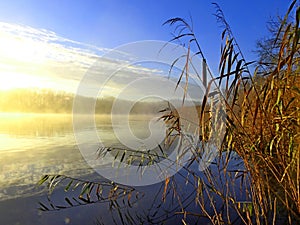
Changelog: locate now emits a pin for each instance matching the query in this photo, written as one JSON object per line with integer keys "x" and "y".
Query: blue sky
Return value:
{"x": 110, "y": 23}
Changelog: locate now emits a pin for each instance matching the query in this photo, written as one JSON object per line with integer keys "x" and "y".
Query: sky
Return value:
{"x": 52, "y": 44}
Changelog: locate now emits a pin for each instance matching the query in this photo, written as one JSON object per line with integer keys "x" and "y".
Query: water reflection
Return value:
{"x": 35, "y": 125}
{"x": 32, "y": 145}
{"x": 154, "y": 204}
{"x": 35, "y": 144}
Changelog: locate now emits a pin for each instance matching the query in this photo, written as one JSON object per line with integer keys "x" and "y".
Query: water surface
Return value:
{"x": 32, "y": 145}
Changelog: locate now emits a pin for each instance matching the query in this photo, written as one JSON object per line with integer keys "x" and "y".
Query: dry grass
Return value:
{"x": 263, "y": 124}
{"x": 262, "y": 128}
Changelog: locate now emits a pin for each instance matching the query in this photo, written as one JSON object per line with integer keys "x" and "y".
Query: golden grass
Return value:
{"x": 262, "y": 128}
{"x": 263, "y": 122}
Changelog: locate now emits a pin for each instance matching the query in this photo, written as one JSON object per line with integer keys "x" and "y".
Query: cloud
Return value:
{"x": 27, "y": 52}
{"x": 40, "y": 58}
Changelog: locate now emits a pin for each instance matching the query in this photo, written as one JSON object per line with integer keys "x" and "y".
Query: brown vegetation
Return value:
{"x": 262, "y": 128}
{"x": 263, "y": 121}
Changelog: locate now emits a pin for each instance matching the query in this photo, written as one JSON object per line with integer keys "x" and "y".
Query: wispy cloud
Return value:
{"x": 39, "y": 55}
{"x": 42, "y": 56}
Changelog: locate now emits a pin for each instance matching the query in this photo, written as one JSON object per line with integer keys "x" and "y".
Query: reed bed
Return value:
{"x": 262, "y": 124}
{"x": 261, "y": 137}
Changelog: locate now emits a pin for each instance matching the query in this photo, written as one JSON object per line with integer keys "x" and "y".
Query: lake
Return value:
{"x": 33, "y": 145}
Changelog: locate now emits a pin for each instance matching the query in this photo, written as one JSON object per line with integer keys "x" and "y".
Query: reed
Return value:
{"x": 262, "y": 136}
{"x": 262, "y": 124}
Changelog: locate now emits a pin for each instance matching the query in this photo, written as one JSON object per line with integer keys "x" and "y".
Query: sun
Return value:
{"x": 28, "y": 60}
{"x": 40, "y": 59}
{"x": 13, "y": 80}
{"x": 19, "y": 57}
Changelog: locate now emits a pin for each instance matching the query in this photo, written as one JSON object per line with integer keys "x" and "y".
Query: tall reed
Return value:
{"x": 262, "y": 135}
{"x": 263, "y": 121}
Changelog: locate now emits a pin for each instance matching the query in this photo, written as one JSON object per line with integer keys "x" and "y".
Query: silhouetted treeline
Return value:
{"x": 35, "y": 100}
{"x": 49, "y": 101}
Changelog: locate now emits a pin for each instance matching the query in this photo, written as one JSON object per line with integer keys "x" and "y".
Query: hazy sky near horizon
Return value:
{"x": 52, "y": 43}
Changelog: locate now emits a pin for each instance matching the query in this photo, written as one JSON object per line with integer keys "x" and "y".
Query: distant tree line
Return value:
{"x": 50, "y": 101}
